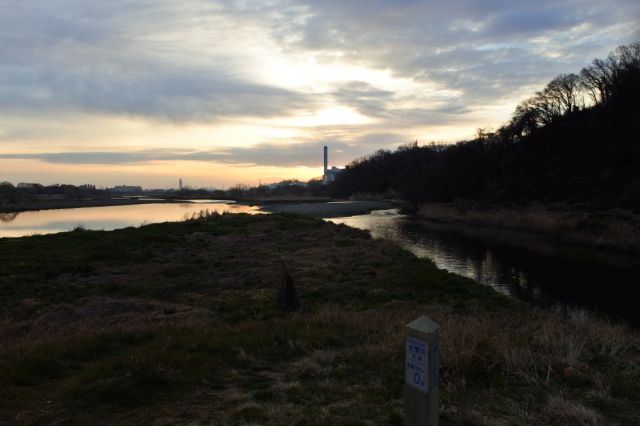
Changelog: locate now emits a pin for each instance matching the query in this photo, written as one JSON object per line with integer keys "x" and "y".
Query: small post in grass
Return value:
{"x": 421, "y": 364}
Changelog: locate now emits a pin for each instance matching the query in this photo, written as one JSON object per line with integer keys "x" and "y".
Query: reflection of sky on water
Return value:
{"x": 572, "y": 287}
{"x": 110, "y": 217}
{"x": 8, "y": 217}
{"x": 62, "y": 225}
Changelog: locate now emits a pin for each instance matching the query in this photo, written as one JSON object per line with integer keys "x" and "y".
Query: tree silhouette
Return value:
{"x": 555, "y": 148}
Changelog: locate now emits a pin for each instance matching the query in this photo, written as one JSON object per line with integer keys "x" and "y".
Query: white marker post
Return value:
{"x": 421, "y": 396}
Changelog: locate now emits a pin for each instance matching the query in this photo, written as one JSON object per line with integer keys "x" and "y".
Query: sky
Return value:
{"x": 144, "y": 92}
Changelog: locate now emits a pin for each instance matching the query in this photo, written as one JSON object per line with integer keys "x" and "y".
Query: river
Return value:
{"x": 573, "y": 281}
{"x": 109, "y": 217}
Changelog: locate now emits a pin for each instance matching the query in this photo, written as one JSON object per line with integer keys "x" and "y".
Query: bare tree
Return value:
{"x": 603, "y": 79}
{"x": 598, "y": 78}
{"x": 629, "y": 56}
{"x": 564, "y": 92}
{"x": 532, "y": 113}
{"x": 593, "y": 85}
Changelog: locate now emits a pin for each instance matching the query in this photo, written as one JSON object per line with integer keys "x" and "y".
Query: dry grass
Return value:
{"x": 190, "y": 335}
{"x": 612, "y": 230}
{"x": 337, "y": 366}
{"x": 567, "y": 412}
{"x": 537, "y": 358}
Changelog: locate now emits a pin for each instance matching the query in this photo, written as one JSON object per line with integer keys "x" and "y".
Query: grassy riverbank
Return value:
{"x": 177, "y": 323}
{"x": 613, "y": 230}
{"x": 335, "y": 208}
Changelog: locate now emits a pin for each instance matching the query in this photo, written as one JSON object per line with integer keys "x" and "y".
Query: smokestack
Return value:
{"x": 326, "y": 160}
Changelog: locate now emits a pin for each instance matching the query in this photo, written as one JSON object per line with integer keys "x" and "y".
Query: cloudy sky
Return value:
{"x": 220, "y": 92}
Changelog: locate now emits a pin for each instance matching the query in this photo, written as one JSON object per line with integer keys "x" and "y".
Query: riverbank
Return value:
{"x": 177, "y": 323}
{"x": 283, "y": 199}
{"x": 306, "y": 206}
{"x": 327, "y": 209}
{"x": 617, "y": 231}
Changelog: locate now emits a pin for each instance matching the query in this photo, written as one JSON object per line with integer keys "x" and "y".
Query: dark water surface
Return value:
{"x": 576, "y": 282}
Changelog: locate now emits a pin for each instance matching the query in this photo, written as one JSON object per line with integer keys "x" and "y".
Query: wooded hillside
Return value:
{"x": 576, "y": 141}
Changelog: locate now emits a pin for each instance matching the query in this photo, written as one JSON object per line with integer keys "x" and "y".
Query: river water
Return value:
{"x": 573, "y": 281}
{"x": 110, "y": 217}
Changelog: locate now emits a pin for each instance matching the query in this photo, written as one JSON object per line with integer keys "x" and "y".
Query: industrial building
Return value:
{"x": 330, "y": 174}
{"x": 126, "y": 189}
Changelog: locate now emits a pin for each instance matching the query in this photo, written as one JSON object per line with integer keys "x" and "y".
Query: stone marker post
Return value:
{"x": 421, "y": 395}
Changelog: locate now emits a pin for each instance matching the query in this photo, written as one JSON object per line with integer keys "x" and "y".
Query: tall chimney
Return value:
{"x": 326, "y": 160}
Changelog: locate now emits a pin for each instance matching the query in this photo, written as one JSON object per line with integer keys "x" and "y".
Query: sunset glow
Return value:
{"x": 218, "y": 93}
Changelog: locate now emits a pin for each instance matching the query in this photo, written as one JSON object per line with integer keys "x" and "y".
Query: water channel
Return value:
{"x": 576, "y": 282}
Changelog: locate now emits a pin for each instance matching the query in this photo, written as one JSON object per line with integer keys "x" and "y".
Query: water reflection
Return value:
{"x": 110, "y": 217}
{"x": 572, "y": 283}
{"x": 8, "y": 217}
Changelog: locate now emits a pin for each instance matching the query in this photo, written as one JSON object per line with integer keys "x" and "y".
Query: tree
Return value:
{"x": 8, "y": 192}
{"x": 238, "y": 190}
{"x": 553, "y": 149}
{"x": 593, "y": 84}
{"x": 537, "y": 111}
{"x": 613, "y": 76}
{"x": 564, "y": 92}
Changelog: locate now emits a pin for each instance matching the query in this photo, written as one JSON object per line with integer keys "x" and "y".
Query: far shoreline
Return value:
{"x": 336, "y": 208}
{"x": 611, "y": 231}
{"x": 321, "y": 208}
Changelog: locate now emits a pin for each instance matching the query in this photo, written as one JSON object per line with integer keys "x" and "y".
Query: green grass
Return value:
{"x": 177, "y": 323}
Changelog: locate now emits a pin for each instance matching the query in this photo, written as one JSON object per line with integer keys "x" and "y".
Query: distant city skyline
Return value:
{"x": 223, "y": 92}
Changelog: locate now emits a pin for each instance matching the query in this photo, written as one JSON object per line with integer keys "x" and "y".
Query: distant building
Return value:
{"x": 126, "y": 189}
{"x": 180, "y": 183}
{"x": 330, "y": 174}
{"x": 287, "y": 183}
{"x": 26, "y": 185}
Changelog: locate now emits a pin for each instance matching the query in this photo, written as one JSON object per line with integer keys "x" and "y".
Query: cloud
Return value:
{"x": 485, "y": 48}
{"x": 167, "y": 60}
{"x": 116, "y": 60}
{"x": 406, "y": 65}
{"x": 170, "y": 93}
{"x": 308, "y": 153}
{"x": 363, "y": 97}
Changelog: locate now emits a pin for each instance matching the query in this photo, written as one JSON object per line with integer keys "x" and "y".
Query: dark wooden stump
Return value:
{"x": 287, "y": 296}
